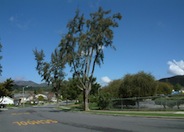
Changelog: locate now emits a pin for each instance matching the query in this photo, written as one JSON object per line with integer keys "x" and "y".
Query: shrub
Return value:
{"x": 103, "y": 100}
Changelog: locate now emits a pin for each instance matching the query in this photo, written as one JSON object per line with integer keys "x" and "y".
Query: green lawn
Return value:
{"x": 141, "y": 113}
{"x": 154, "y": 114}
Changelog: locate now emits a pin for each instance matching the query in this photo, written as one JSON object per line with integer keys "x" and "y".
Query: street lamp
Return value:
{"x": 23, "y": 93}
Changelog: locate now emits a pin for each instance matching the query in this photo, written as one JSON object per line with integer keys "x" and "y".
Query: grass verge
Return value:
{"x": 153, "y": 114}
{"x": 141, "y": 113}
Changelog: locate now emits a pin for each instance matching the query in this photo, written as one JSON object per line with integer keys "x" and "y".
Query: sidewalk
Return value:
{"x": 3, "y": 109}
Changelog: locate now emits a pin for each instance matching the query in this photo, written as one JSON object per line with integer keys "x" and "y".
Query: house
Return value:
{"x": 5, "y": 101}
{"x": 41, "y": 95}
{"x": 177, "y": 92}
{"x": 182, "y": 90}
{"x": 20, "y": 98}
{"x": 51, "y": 97}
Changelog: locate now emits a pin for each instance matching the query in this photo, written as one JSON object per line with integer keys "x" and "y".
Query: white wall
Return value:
{"x": 6, "y": 100}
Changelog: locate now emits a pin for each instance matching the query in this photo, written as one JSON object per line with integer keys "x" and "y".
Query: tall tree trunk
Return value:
{"x": 86, "y": 99}
{"x": 57, "y": 98}
{"x": 1, "y": 99}
{"x": 138, "y": 105}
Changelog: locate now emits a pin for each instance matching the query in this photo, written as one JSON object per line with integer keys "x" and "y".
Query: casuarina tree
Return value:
{"x": 6, "y": 89}
{"x": 51, "y": 72}
{"x": 84, "y": 43}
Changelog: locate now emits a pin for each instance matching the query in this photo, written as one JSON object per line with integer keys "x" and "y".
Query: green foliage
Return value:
{"x": 123, "y": 103}
{"x": 3, "y": 91}
{"x": 177, "y": 87}
{"x": 161, "y": 101}
{"x": 137, "y": 85}
{"x": 95, "y": 87}
{"x": 178, "y": 100}
{"x": 104, "y": 100}
{"x": 93, "y": 98}
{"x": 164, "y": 88}
{"x": 70, "y": 90}
{"x": 52, "y": 72}
{"x": 113, "y": 88}
{"x": 6, "y": 88}
{"x": 170, "y": 101}
{"x": 82, "y": 49}
{"x": 80, "y": 98}
{"x": 40, "y": 98}
{"x": 83, "y": 45}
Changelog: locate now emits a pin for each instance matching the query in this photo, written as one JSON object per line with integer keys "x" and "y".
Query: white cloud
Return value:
{"x": 160, "y": 24}
{"x": 19, "y": 78}
{"x": 94, "y": 4}
{"x": 23, "y": 25}
{"x": 106, "y": 80}
{"x": 12, "y": 18}
{"x": 176, "y": 67}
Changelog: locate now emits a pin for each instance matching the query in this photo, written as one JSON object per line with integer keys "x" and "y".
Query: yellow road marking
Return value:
{"x": 35, "y": 122}
{"x": 25, "y": 113}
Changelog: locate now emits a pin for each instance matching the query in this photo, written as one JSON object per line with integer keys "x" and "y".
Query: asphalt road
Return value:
{"x": 48, "y": 119}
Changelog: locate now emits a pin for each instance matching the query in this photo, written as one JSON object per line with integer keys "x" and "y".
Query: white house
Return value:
{"x": 44, "y": 96}
{"x": 6, "y": 100}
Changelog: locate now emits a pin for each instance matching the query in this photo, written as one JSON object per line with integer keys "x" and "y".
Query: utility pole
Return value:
{"x": 23, "y": 94}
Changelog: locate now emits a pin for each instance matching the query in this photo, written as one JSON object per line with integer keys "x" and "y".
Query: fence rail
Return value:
{"x": 151, "y": 103}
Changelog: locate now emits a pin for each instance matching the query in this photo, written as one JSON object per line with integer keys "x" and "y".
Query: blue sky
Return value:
{"x": 150, "y": 37}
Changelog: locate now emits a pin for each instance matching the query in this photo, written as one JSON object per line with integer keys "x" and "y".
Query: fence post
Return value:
{"x": 121, "y": 103}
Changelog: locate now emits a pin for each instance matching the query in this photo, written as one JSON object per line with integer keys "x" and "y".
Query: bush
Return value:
{"x": 161, "y": 101}
{"x": 121, "y": 103}
{"x": 93, "y": 98}
{"x": 170, "y": 101}
{"x": 103, "y": 100}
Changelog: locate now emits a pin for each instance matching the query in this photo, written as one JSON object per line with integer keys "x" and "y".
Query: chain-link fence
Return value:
{"x": 149, "y": 103}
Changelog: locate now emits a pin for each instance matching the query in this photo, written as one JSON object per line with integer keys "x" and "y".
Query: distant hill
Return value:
{"x": 174, "y": 80}
{"x": 29, "y": 83}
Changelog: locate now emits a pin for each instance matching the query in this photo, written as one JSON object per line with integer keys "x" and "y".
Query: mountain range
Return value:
{"x": 173, "y": 80}
{"x": 29, "y": 83}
